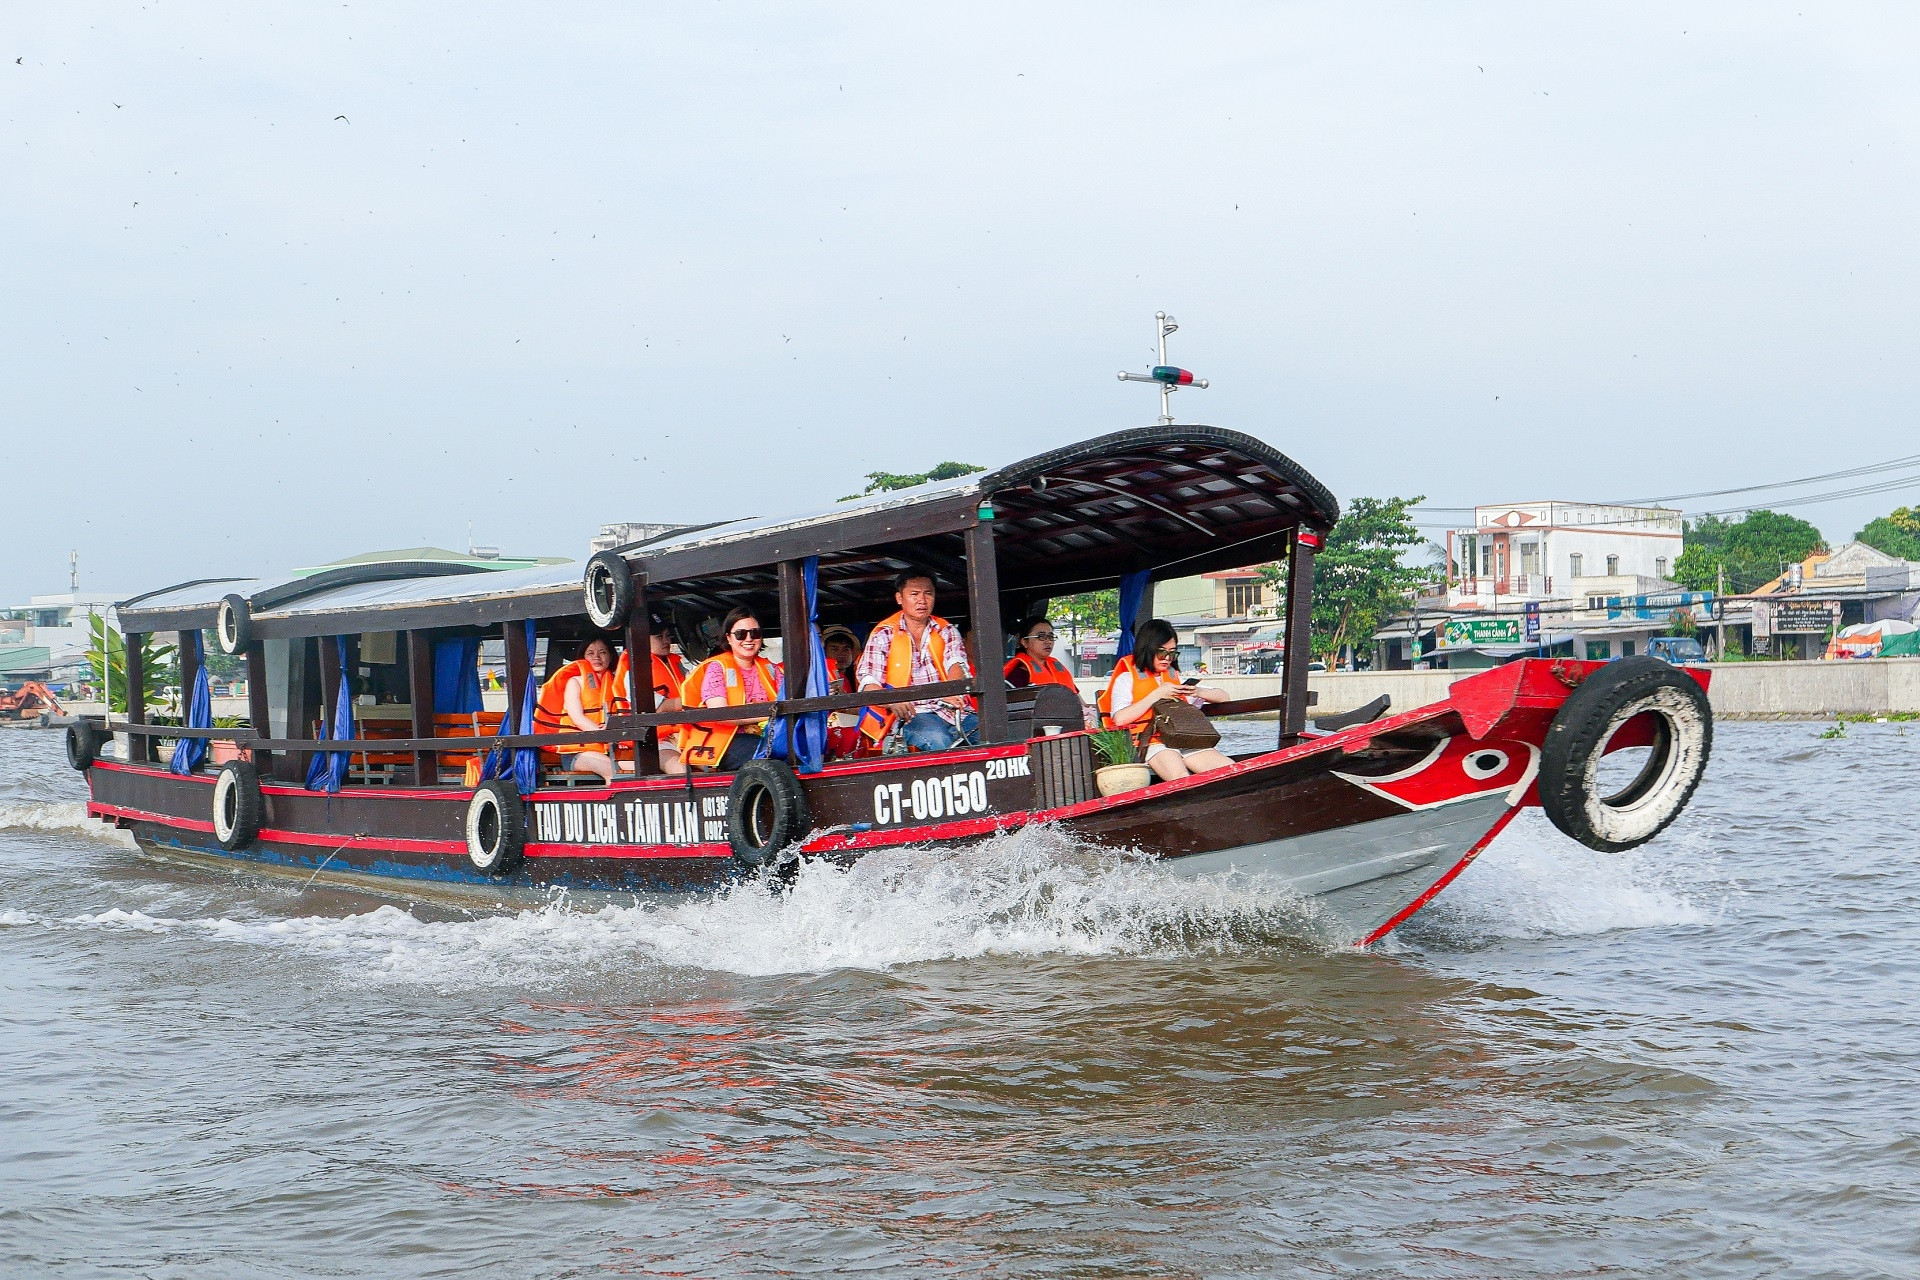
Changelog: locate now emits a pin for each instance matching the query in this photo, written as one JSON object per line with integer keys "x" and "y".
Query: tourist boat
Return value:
{"x": 1366, "y": 816}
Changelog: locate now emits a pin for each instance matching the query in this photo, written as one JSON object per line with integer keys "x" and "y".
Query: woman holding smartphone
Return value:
{"x": 1143, "y": 680}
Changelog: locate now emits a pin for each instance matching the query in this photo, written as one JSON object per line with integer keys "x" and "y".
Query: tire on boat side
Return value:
{"x": 1592, "y": 715}
{"x": 239, "y": 810}
{"x": 608, "y": 587}
{"x": 232, "y": 625}
{"x": 766, "y": 813}
{"x": 83, "y": 745}
{"x": 496, "y": 828}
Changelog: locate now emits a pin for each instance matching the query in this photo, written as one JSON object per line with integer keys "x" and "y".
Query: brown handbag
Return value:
{"x": 1183, "y": 726}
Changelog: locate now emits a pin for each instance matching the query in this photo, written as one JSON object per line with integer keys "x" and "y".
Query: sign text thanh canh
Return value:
{"x": 1461, "y": 631}
{"x": 1804, "y": 616}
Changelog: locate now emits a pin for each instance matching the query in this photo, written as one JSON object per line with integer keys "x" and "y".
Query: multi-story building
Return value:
{"x": 1557, "y": 550}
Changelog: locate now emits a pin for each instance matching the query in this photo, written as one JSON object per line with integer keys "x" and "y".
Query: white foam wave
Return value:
{"x": 60, "y": 817}
{"x": 1028, "y": 894}
{"x": 1533, "y": 882}
{"x": 1031, "y": 893}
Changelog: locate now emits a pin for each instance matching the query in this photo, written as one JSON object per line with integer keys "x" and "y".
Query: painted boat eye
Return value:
{"x": 1482, "y": 765}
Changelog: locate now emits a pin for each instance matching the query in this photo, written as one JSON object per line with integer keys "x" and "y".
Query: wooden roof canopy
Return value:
{"x": 1178, "y": 500}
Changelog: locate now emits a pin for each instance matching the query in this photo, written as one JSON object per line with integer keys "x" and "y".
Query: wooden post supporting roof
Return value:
{"x": 983, "y": 607}
{"x": 259, "y": 709}
{"x": 646, "y": 751}
{"x": 519, "y": 661}
{"x": 133, "y": 653}
{"x": 794, "y": 638}
{"x": 426, "y": 764}
{"x": 1299, "y": 636}
{"x": 187, "y": 646}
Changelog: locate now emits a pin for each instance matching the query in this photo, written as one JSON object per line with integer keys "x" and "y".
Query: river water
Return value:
{"x": 1696, "y": 1059}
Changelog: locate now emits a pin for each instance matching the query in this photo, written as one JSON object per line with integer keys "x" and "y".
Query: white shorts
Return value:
{"x": 1155, "y": 748}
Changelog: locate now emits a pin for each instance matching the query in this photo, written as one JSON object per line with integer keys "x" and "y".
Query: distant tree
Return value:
{"x": 881, "y": 481}
{"x": 1897, "y": 534}
{"x": 1358, "y": 577}
{"x": 1752, "y": 551}
{"x": 1097, "y": 612}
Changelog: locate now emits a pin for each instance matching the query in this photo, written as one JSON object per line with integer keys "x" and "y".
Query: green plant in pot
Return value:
{"x": 1123, "y": 770}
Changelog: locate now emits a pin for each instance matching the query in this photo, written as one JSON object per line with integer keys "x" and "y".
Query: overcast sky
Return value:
{"x": 692, "y": 261}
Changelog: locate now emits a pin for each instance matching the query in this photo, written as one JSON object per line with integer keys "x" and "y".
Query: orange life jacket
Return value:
{"x": 703, "y": 745}
{"x": 600, "y": 696}
{"x": 668, "y": 672}
{"x": 1042, "y": 671}
{"x": 1142, "y": 686}
{"x": 875, "y": 722}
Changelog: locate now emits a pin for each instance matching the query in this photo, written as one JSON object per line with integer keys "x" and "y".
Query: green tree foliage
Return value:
{"x": 1897, "y": 534}
{"x": 107, "y": 652}
{"x": 1096, "y": 612}
{"x": 1753, "y": 551}
{"x": 881, "y": 481}
{"x": 1358, "y": 577}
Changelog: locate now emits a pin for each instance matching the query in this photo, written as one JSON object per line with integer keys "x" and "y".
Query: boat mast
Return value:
{"x": 1170, "y": 377}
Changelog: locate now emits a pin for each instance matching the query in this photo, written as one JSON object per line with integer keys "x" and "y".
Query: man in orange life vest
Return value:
{"x": 669, "y": 669}
{"x": 915, "y": 647}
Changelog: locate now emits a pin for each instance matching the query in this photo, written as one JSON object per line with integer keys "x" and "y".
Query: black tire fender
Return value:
{"x": 239, "y": 810}
{"x": 1619, "y": 692}
{"x": 233, "y": 625}
{"x": 766, "y": 813}
{"x": 496, "y": 827}
{"x": 607, "y": 585}
{"x": 83, "y": 745}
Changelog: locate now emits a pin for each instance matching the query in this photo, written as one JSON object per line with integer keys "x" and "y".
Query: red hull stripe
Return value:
{"x": 626, "y": 851}
{"x": 276, "y": 836}
{"x": 1439, "y": 884}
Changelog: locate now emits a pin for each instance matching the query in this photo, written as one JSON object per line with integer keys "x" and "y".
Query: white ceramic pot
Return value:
{"x": 1117, "y": 779}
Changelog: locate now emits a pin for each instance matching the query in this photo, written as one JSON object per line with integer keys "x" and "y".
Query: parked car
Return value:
{"x": 1680, "y": 651}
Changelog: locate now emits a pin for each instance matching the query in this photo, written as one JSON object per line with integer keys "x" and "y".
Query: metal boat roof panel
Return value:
{"x": 1178, "y": 500}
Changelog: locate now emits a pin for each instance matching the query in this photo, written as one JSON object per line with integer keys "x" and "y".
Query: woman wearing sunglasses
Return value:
{"x": 735, "y": 677}
{"x": 1141, "y": 682}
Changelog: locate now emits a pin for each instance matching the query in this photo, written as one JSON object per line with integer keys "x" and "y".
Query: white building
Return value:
{"x": 58, "y": 622}
{"x": 1558, "y": 550}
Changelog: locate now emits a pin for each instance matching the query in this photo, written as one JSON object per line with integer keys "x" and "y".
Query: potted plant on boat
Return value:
{"x": 1123, "y": 770}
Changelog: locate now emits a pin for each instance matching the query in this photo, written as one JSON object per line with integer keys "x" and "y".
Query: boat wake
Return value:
{"x": 1028, "y": 894}
{"x": 59, "y": 817}
{"x": 1533, "y": 882}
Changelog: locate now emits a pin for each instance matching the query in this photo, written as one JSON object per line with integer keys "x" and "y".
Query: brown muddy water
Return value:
{"x": 1697, "y": 1059}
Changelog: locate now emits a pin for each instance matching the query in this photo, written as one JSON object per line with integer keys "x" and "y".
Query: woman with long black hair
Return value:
{"x": 1145, "y": 679}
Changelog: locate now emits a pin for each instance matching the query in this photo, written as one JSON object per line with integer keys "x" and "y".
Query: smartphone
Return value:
{"x": 1190, "y": 680}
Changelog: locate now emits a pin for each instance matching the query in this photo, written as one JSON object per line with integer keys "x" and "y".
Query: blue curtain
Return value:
{"x": 522, "y": 762}
{"x": 802, "y": 739}
{"x": 456, "y": 675}
{"x": 1133, "y": 586}
{"x": 188, "y": 754}
{"x": 329, "y": 768}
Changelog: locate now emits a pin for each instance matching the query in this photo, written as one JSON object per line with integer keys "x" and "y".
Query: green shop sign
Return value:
{"x": 1463, "y": 631}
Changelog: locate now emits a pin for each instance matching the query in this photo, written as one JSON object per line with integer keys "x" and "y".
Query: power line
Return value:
{"x": 1837, "y": 495}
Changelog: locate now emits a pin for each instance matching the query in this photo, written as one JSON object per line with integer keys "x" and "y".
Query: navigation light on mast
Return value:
{"x": 1170, "y": 377}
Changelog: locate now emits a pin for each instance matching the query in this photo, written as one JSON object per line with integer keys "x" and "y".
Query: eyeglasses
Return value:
{"x": 745, "y": 633}
{"x": 1045, "y": 637}
{"x": 1168, "y": 651}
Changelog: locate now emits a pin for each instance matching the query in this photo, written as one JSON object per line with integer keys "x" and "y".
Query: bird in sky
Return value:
{"x": 343, "y": 118}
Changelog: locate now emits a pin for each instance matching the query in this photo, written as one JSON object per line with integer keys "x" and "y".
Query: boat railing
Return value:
{"x": 617, "y": 728}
